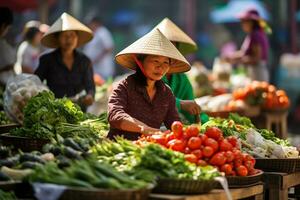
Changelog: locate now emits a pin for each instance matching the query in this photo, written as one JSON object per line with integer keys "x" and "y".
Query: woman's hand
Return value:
{"x": 146, "y": 130}
{"x": 190, "y": 106}
{"x": 88, "y": 100}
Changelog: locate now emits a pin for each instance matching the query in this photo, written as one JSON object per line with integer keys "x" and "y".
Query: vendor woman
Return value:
{"x": 141, "y": 103}
{"x": 254, "y": 50}
{"x": 179, "y": 82}
{"x": 67, "y": 71}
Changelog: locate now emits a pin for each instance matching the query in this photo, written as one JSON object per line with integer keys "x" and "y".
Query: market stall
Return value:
{"x": 61, "y": 149}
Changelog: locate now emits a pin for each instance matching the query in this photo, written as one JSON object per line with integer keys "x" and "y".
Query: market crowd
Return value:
{"x": 72, "y": 58}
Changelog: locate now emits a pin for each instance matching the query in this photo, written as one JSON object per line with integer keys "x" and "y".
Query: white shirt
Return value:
{"x": 7, "y": 57}
{"x": 102, "y": 40}
{"x": 27, "y": 55}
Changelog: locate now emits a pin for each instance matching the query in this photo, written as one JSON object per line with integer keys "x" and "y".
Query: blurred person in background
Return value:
{"x": 7, "y": 53}
{"x": 254, "y": 51}
{"x": 100, "y": 50}
{"x": 30, "y": 49}
{"x": 179, "y": 82}
{"x": 67, "y": 71}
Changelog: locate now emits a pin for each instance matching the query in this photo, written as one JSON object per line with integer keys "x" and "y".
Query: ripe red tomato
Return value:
{"x": 187, "y": 150}
{"x": 207, "y": 151}
{"x": 242, "y": 170}
{"x": 197, "y": 153}
{"x": 213, "y": 132}
{"x": 218, "y": 159}
{"x": 225, "y": 145}
{"x": 194, "y": 143}
{"x": 203, "y": 137}
{"x": 177, "y": 129}
{"x": 249, "y": 165}
{"x": 160, "y": 139}
{"x": 191, "y": 158}
{"x": 237, "y": 155}
{"x": 202, "y": 163}
{"x": 229, "y": 155}
{"x": 227, "y": 168}
{"x": 212, "y": 143}
{"x": 191, "y": 131}
{"x": 238, "y": 163}
{"x": 170, "y": 137}
{"x": 176, "y": 145}
{"x": 232, "y": 140}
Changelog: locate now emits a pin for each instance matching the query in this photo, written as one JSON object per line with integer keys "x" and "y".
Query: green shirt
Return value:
{"x": 182, "y": 89}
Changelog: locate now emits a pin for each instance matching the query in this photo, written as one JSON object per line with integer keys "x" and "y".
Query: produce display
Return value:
{"x": 78, "y": 154}
{"x": 87, "y": 173}
{"x": 4, "y": 119}
{"x": 17, "y": 93}
{"x": 45, "y": 117}
{"x": 208, "y": 148}
{"x": 262, "y": 94}
{"x": 151, "y": 161}
{"x": 258, "y": 142}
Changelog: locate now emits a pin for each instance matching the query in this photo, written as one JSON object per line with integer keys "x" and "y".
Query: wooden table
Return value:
{"x": 278, "y": 184}
{"x": 252, "y": 192}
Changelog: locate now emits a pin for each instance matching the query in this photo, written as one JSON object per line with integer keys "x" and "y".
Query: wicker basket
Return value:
{"x": 287, "y": 165}
{"x": 24, "y": 143}
{"x": 240, "y": 181}
{"x": 7, "y": 127}
{"x": 73, "y": 193}
{"x": 175, "y": 186}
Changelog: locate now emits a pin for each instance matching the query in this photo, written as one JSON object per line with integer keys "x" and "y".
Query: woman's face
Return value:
{"x": 37, "y": 38}
{"x": 156, "y": 66}
{"x": 68, "y": 40}
{"x": 247, "y": 26}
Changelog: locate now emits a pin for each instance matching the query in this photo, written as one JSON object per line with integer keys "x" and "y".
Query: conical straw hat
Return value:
{"x": 153, "y": 43}
{"x": 66, "y": 23}
{"x": 175, "y": 34}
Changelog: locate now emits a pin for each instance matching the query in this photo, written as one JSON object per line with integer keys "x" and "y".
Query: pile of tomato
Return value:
{"x": 262, "y": 94}
{"x": 208, "y": 148}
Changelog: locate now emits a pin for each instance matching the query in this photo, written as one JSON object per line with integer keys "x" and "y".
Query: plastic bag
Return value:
{"x": 18, "y": 91}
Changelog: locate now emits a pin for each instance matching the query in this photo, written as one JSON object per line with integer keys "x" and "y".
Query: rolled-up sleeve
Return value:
{"x": 172, "y": 114}
{"x": 117, "y": 104}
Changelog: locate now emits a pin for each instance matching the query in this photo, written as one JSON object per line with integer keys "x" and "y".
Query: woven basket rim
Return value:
{"x": 261, "y": 172}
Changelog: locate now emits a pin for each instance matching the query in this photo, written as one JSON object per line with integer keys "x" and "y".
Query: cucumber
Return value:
{"x": 71, "y": 153}
{"x": 4, "y": 177}
{"x": 30, "y": 157}
{"x": 30, "y": 165}
{"x": 71, "y": 143}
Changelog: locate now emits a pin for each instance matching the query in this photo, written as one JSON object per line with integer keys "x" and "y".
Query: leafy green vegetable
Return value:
{"x": 7, "y": 195}
{"x": 86, "y": 173}
{"x": 150, "y": 162}
{"x": 46, "y": 117}
{"x": 4, "y": 119}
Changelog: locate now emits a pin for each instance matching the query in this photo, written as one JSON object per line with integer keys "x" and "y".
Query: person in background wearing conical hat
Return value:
{"x": 67, "y": 71}
{"x": 30, "y": 49}
{"x": 141, "y": 103}
{"x": 254, "y": 50}
{"x": 179, "y": 82}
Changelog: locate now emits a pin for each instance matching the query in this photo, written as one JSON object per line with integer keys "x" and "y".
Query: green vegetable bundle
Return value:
{"x": 150, "y": 162}
{"x": 86, "y": 173}
{"x": 45, "y": 117}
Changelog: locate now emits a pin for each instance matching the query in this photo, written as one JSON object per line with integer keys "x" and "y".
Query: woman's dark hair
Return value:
{"x": 255, "y": 25}
{"x": 139, "y": 76}
{"x": 6, "y": 16}
{"x": 30, "y": 33}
